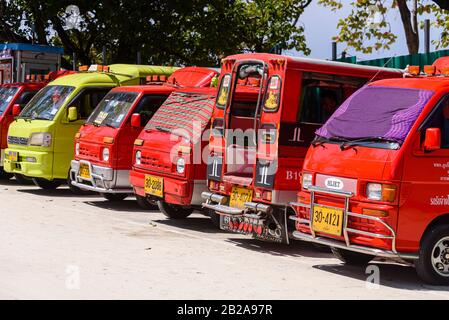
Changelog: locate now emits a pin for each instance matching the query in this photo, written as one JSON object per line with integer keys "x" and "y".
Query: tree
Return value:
{"x": 195, "y": 32}
{"x": 366, "y": 28}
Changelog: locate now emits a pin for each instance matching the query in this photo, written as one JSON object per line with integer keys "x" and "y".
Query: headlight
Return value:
{"x": 374, "y": 191}
{"x": 77, "y": 148}
{"x": 307, "y": 180}
{"x": 105, "y": 154}
{"x": 40, "y": 139}
{"x": 381, "y": 192}
{"x": 138, "y": 157}
{"x": 180, "y": 165}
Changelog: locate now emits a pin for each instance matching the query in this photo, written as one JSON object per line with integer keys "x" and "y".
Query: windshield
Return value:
{"x": 375, "y": 113}
{"x": 6, "y": 95}
{"x": 46, "y": 103}
{"x": 112, "y": 109}
{"x": 184, "y": 114}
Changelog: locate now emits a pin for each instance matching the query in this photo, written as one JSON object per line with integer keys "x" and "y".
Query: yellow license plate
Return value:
{"x": 13, "y": 156}
{"x": 327, "y": 220}
{"x": 154, "y": 186}
{"x": 239, "y": 196}
{"x": 85, "y": 171}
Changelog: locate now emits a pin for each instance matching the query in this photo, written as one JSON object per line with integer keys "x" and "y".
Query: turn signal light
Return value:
{"x": 77, "y": 135}
{"x": 388, "y": 192}
{"x": 430, "y": 70}
{"x": 414, "y": 70}
{"x": 138, "y": 142}
{"x": 445, "y": 71}
{"x": 109, "y": 140}
{"x": 375, "y": 213}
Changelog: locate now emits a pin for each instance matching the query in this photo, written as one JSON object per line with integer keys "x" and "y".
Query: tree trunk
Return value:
{"x": 410, "y": 23}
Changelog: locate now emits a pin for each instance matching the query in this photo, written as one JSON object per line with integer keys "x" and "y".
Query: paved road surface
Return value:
{"x": 54, "y": 245}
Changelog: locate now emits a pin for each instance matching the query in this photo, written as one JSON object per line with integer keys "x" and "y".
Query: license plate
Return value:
{"x": 13, "y": 156}
{"x": 239, "y": 196}
{"x": 327, "y": 220}
{"x": 85, "y": 171}
{"x": 154, "y": 186}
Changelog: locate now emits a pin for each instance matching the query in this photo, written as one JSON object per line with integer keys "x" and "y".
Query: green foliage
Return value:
{"x": 365, "y": 37}
{"x": 195, "y": 32}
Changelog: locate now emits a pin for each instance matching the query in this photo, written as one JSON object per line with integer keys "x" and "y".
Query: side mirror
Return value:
{"x": 72, "y": 114}
{"x": 136, "y": 120}
{"x": 432, "y": 140}
{"x": 16, "y": 109}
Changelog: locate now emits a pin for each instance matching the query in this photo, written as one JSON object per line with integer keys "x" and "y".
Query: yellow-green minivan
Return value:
{"x": 41, "y": 139}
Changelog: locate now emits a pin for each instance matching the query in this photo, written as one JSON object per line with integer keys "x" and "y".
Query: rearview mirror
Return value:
{"x": 72, "y": 114}
{"x": 136, "y": 120}
{"x": 16, "y": 109}
{"x": 432, "y": 140}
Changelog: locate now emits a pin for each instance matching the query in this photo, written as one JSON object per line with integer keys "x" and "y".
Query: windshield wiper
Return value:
{"x": 160, "y": 128}
{"x": 352, "y": 143}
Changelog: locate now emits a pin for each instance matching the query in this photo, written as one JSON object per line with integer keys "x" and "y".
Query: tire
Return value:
{"x": 434, "y": 251}
{"x": 115, "y": 197}
{"x": 5, "y": 175}
{"x": 46, "y": 184}
{"x": 214, "y": 217}
{"x": 351, "y": 257}
{"x": 144, "y": 203}
{"x": 75, "y": 190}
{"x": 173, "y": 211}
{"x": 21, "y": 179}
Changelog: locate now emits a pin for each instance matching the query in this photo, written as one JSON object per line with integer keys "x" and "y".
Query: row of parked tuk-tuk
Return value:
{"x": 280, "y": 148}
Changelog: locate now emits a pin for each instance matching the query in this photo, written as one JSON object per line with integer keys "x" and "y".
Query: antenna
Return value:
{"x": 377, "y": 73}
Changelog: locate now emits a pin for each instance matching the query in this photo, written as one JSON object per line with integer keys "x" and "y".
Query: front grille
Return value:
{"x": 86, "y": 152}
{"x": 155, "y": 163}
{"x": 17, "y": 140}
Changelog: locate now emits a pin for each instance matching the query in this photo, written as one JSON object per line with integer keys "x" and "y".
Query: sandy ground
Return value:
{"x": 54, "y": 245}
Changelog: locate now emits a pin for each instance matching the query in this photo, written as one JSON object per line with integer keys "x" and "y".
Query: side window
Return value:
{"x": 148, "y": 105}
{"x": 25, "y": 97}
{"x": 439, "y": 119}
{"x": 88, "y": 100}
{"x": 318, "y": 103}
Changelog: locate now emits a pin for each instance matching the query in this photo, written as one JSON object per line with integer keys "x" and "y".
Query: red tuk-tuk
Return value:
{"x": 256, "y": 154}
{"x": 375, "y": 181}
{"x": 104, "y": 145}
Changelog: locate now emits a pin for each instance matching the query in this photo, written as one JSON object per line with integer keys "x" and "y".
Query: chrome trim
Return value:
{"x": 338, "y": 244}
{"x": 226, "y": 210}
{"x": 258, "y": 207}
{"x": 104, "y": 175}
{"x": 345, "y": 229}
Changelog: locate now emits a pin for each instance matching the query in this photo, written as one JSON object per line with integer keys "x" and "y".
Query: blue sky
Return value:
{"x": 320, "y": 26}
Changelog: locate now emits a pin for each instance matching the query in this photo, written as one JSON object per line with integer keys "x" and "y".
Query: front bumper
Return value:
{"x": 176, "y": 191}
{"x": 262, "y": 221}
{"x": 41, "y": 167}
{"x": 347, "y": 231}
{"x": 103, "y": 179}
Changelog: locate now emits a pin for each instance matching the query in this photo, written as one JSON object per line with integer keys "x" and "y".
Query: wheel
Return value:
{"x": 173, "y": 211}
{"x": 75, "y": 190}
{"x": 114, "y": 196}
{"x": 5, "y": 175}
{"x": 21, "y": 179}
{"x": 351, "y": 257}
{"x": 432, "y": 265}
{"x": 46, "y": 184}
{"x": 214, "y": 217}
{"x": 144, "y": 203}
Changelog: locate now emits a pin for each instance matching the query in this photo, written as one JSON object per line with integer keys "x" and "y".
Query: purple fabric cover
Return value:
{"x": 377, "y": 112}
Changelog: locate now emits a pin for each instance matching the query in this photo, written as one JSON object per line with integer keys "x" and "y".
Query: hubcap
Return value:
{"x": 440, "y": 257}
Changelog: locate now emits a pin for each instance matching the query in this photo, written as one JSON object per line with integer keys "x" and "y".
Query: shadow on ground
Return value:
{"x": 129, "y": 204}
{"x": 196, "y": 222}
{"x": 295, "y": 249}
{"x": 391, "y": 275}
{"x": 62, "y": 191}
